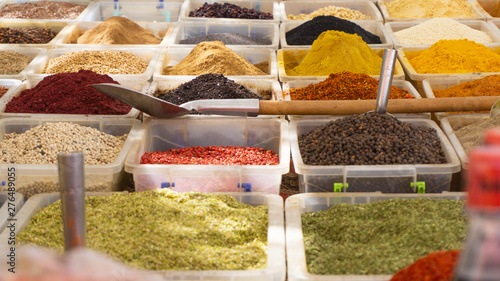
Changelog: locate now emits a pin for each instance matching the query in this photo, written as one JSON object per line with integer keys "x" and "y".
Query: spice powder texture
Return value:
{"x": 13, "y": 62}
{"x": 340, "y": 12}
{"x": 165, "y": 230}
{"x": 429, "y": 9}
{"x": 41, "y": 10}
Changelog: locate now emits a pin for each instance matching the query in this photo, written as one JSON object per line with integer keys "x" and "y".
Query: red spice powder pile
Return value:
{"x": 437, "y": 266}
{"x": 212, "y": 155}
{"x": 68, "y": 93}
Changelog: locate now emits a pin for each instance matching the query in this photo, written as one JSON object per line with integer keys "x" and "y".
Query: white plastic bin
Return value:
{"x": 375, "y": 27}
{"x": 368, "y": 178}
{"x": 298, "y": 204}
{"x": 266, "y": 6}
{"x": 164, "y": 134}
{"x": 136, "y": 11}
{"x": 88, "y": 4}
{"x": 35, "y": 53}
{"x": 10, "y": 203}
{"x": 306, "y": 7}
{"x": 258, "y": 30}
{"x": 30, "y": 177}
{"x": 12, "y": 84}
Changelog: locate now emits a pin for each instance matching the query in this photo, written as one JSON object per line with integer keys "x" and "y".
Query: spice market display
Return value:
{"x": 193, "y": 197}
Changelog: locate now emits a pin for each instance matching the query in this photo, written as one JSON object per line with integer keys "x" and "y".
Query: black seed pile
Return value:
{"x": 227, "y": 39}
{"x": 26, "y": 35}
{"x": 207, "y": 86}
{"x": 370, "y": 139}
{"x": 306, "y": 33}
{"x": 227, "y": 10}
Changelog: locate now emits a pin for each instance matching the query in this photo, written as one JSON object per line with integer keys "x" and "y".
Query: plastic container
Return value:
{"x": 487, "y": 7}
{"x": 97, "y": 177}
{"x": 35, "y": 53}
{"x": 57, "y": 27}
{"x": 297, "y": 84}
{"x": 148, "y": 54}
{"x": 136, "y": 11}
{"x": 12, "y": 84}
{"x": 88, "y": 4}
{"x": 306, "y": 7}
{"x": 164, "y": 134}
{"x": 477, "y": 14}
{"x": 374, "y": 27}
{"x": 267, "y": 6}
{"x": 161, "y": 30}
{"x": 276, "y": 265}
{"x": 393, "y": 27}
{"x": 10, "y": 204}
{"x": 142, "y": 86}
{"x": 454, "y": 122}
{"x": 297, "y": 54}
{"x": 260, "y": 30}
{"x": 428, "y": 178}
{"x": 172, "y": 56}
{"x": 298, "y": 204}
{"x": 495, "y": 24}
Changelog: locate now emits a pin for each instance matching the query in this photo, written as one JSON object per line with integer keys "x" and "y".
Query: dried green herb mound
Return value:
{"x": 381, "y": 237}
{"x": 165, "y": 230}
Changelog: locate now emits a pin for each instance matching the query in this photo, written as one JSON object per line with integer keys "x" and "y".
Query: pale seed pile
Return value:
{"x": 102, "y": 62}
{"x": 431, "y": 31}
{"x": 41, "y": 144}
{"x": 13, "y": 62}
{"x": 339, "y": 12}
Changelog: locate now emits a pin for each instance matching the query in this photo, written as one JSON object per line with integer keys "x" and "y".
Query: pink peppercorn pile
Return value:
{"x": 212, "y": 155}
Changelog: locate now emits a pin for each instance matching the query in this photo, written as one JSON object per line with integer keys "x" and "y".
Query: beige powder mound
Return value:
{"x": 118, "y": 30}
{"x": 429, "y": 9}
{"x": 213, "y": 57}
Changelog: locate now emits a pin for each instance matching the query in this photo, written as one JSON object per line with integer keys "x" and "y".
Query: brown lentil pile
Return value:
{"x": 102, "y": 62}
{"x": 41, "y": 10}
{"x": 26, "y": 35}
{"x": 164, "y": 230}
{"x": 370, "y": 139}
{"x": 12, "y": 63}
{"x": 41, "y": 144}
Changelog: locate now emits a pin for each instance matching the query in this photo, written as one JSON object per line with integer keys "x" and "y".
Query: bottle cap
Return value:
{"x": 492, "y": 137}
{"x": 484, "y": 178}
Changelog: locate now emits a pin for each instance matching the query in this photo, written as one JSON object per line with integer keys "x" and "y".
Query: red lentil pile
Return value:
{"x": 437, "y": 266}
{"x": 212, "y": 155}
{"x": 345, "y": 86}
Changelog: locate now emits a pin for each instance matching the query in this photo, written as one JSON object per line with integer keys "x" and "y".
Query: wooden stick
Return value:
{"x": 346, "y": 107}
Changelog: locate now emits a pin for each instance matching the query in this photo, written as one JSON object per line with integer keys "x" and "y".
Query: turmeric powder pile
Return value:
{"x": 337, "y": 51}
{"x": 456, "y": 56}
{"x": 487, "y": 86}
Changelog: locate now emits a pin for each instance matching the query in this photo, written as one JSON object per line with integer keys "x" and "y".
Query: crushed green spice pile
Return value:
{"x": 381, "y": 237}
{"x": 165, "y": 230}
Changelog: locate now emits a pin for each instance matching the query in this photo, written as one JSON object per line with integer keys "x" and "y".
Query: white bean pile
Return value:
{"x": 431, "y": 31}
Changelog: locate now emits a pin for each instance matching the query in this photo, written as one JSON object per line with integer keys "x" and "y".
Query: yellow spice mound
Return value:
{"x": 413, "y": 9}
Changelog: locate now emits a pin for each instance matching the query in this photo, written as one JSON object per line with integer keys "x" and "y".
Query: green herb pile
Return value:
{"x": 381, "y": 237}
{"x": 165, "y": 230}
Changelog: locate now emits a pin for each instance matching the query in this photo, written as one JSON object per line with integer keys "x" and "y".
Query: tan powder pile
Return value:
{"x": 472, "y": 136}
{"x": 12, "y": 62}
{"x": 118, "y": 30}
{"x": 213, "y": 57}
{"x": 413, "y": 9}
{"x": 339, "y": 12}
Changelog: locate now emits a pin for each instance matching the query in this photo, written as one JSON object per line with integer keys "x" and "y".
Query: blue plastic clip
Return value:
{"x": 338, "y": 186}
{"x": 160, "y": 5}
{"x": 247, "y": 187}
{"x": 420, "y": 186}
{"x": 116, "y": 11}
{"x": 166, "y": 185}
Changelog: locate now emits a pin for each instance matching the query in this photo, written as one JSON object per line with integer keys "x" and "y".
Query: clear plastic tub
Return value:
{"x": 161, "y": 30}
{"x": 477, "y": 14}
{"x": 298, "y": 204}
{"x": 88, "y": 4}
{"x": 35, "y": 53}
{"x": 142, "y": 86}
{"x": 172, "y": 56}
{"x": 306, "y": 7}
{"x": 374, "y": 27}
{"x": 428, "y": 178}
{"x": 30, "y": 177}
{"x": 495, "y": 24}
{"x": 267, "y": 6}
{"x": 297, "y": 54}
{"x": 58, "y": 27}
{"x": 10, "y": 203}
{"x": 393, "y": 27}
{"x": 452, "y": 123}
{"x": 276, "y": 264}
{"x": 148, "y": 54}
{"x": 260, "y": 30}
{"x": 164, "y": 134}
{"x": 136, "y": 11}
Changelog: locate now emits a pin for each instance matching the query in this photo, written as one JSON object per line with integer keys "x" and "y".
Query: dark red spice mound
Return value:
{"x": 68, "y": 93}
{"x": 437, "y": 266}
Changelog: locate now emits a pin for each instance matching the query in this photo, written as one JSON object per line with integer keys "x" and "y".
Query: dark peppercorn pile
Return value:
{"x": 26, "y": 35}
{"x": 306, "y": 33}
{"x": 226, "y": 10}
{"x": 370, "y": 139}
{"x": 207, "y": 86}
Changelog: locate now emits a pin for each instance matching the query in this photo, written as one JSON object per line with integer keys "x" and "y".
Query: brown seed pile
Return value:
{"x": 26, "y": 35}
{"x": 102, "y": 62}
{"x": 12, "y": 63}
{"x": 41, "y": 10}
{"x": 41, "y": 144}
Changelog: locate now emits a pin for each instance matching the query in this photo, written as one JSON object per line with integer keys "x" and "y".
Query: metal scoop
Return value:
{"x": 495, "y": 109}
{"x": 385, "y": 80}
